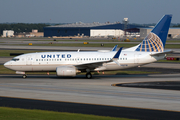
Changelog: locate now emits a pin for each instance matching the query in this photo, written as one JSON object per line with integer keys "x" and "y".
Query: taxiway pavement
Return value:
{"x": 61, "y": 48}
{"x": 98, "y": 90}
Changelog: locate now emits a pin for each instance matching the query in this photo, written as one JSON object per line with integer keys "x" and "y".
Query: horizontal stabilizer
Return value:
{"x": 165, "y": 52}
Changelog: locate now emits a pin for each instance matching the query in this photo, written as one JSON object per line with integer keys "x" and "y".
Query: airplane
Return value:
{"x": 69, "y": 63}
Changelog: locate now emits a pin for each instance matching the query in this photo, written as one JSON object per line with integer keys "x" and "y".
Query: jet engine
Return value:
{"x": 66, "y": 71}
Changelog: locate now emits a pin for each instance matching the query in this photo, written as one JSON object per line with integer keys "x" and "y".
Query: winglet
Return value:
{"x": 114, "y": 49}
{"x": 116, "y": 56}
{"x": 118, "y": 53}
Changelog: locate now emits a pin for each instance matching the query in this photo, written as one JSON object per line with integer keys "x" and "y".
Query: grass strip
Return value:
{"x": 103, "y": 40}
{"x": 26, "y": 114}
{"x": 79, "y": 45}
{"x": 173, "y": 41}
{"x": 168, "y": 46}
{"x": 6, "y": 53}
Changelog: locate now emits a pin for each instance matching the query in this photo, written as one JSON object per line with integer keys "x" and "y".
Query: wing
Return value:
{"x": 98, "y": 64}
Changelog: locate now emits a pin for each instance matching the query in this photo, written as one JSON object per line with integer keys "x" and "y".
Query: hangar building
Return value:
{"x": 173, "y": 32}
{"x": 88, "y": 29}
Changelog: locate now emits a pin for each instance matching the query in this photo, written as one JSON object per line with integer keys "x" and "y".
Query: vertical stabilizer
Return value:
{"x": 155, "y": 41}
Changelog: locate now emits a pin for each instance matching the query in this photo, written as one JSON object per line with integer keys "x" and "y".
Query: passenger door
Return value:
{"x": 29, "y": 60}
{"x": 136, "y": 58}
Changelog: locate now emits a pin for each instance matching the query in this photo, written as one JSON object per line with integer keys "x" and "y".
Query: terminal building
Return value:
{"x": 91, "y": 29}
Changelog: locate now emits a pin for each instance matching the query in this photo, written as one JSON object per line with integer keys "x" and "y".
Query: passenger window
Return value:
{"x": 94, "y": 58}
{"x": 123, "y": 58}
{"x": 57, "y": 59}
{"x": 49, "y": 59}
{"x": 89, "y": 58}
{"x": 102, "y": 58}
{"x": 99, "y": 58}
{"x": 36, "y": 59}
{"x": 86, "y": 58}
{"x": 107, "y": 58}
{"x": 44, "y": 59}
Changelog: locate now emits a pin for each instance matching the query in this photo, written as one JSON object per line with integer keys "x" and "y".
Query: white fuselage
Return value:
{"x": 149, "y": 50}
{"x": 49, "y": 61}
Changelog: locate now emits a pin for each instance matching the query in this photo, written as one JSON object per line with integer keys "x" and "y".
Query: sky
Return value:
{"x": 87, "y": 11}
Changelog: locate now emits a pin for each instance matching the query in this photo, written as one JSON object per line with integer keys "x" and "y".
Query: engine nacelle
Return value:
{"x": 66, "y": 71}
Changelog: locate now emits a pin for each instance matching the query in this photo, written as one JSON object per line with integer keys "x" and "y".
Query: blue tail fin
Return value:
{"x": 155, "y": 41}
{"x": 118, "y": 53}
{"x": 114, "y": 48}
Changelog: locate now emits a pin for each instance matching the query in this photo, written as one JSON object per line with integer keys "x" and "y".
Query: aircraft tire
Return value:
{"x": 24, "y": 76}
{"x": 89, "y": 75}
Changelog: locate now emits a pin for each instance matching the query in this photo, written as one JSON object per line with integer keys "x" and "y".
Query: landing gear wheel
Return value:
{"x": 24, "y": 76}
{"x": 89, "y": 75}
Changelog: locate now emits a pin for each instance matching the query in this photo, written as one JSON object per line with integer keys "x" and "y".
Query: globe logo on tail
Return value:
{"x": 152, "y": 43}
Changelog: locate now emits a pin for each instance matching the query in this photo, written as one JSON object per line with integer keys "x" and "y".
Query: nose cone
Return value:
{"x": 7, "y": 64}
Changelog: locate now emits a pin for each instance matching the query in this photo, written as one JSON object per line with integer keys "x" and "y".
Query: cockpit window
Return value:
{"x": 15, "y": 59}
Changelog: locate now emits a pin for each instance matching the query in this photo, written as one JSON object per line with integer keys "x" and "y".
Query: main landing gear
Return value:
{"x": 88, "y": 75}
{"x": 24, "y": 76}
